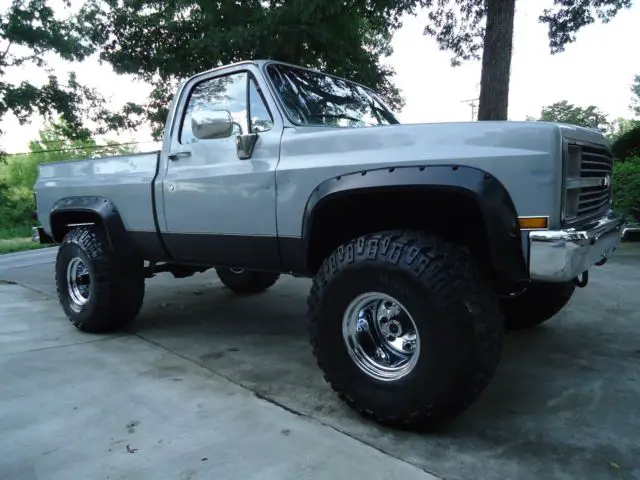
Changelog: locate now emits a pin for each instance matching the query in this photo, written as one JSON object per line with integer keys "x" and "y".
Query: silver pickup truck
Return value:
{"x": 425, "y": 242}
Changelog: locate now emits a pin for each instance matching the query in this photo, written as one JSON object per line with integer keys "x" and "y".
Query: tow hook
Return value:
{"x": 582, "y": 282}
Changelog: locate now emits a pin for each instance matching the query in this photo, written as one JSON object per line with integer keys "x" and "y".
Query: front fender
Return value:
{"x": 498, "y": 211}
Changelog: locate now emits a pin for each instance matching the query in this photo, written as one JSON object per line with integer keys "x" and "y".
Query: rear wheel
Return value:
{"x": 246, "y": 281}
{"x": 537, "y": 304}
{"x": 404, "y": 328}
{"x": 98, "y": 292}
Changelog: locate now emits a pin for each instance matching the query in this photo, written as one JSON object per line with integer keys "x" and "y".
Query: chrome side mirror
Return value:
{"x": 211, "y": 124}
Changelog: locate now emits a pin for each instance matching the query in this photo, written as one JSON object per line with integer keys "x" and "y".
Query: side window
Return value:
{"x": 261, "y": 120}
{"x": 220, "y": 93}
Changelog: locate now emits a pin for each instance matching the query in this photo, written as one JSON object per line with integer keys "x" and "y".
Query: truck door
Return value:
{"x": 220, "y": 209}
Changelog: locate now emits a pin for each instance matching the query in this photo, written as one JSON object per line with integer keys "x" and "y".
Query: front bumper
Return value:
{"x": 562, "y": 255}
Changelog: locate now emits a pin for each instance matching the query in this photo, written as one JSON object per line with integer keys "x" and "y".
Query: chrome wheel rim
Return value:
{"x": 78, "y": 283}
{"x": 381, "y": 336}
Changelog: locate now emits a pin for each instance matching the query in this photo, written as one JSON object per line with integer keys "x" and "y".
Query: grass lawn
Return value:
{"x": 17, "y": 239}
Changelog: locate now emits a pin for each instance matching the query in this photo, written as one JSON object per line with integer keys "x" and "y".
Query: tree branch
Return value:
{"x": 6, "y": 51}
{"x": 19, "y": 61}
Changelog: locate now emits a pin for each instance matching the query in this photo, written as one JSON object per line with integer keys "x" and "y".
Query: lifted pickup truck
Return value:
{"x": 425, "y": 242}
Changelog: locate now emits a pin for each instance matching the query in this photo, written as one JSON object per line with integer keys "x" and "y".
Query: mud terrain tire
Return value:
{"x": 98, "y": 292}
{"x": 458, "y": 322}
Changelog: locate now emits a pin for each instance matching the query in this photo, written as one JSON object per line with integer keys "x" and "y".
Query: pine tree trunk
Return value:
{"x": 496, "y": 60}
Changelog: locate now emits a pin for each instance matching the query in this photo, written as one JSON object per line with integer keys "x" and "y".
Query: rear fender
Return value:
{"x": 88, "y": 209}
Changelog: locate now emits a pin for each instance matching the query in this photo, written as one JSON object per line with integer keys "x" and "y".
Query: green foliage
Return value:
{"x": 458, "y": 27}
{"x": 620, "y": 126}
{"x": 565, "y": 112}
{"x": 567, "y": 17}
{"x": 623, "y": 133}
{"x": 18, "y": 175}
{"x": 165, "y": 41}
{"x": 17, "y": 203}
{"x": 15, "y": 232}
{"x": 627, "y": 144}
{"x": 30, "y": 32}
{"x": 16, "y": 239}
{"x": 18, "y": 244}
{"x": 626, "y": 185}
{"x": 635, "y": 98}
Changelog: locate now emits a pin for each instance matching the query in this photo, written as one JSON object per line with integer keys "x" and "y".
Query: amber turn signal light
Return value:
{"x": 529, "y": 223}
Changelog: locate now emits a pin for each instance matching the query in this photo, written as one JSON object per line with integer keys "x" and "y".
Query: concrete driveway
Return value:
{"x": 211, "y": 384}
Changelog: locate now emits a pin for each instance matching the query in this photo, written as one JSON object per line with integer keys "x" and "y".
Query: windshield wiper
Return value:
{"x": 346, "y": 117}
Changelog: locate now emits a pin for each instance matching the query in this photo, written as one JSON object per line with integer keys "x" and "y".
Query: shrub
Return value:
{"x": 17, "y": 177}
{"x": 16, "y": 206}
{"x": 626, "y": 185}
{"x": 627, "y": 144}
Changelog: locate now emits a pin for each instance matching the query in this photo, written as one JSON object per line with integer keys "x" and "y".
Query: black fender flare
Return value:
{"x": 105, "y": 209}
{"x": 499, "y": 213}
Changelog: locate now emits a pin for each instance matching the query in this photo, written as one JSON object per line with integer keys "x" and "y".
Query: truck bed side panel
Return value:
{"x": 125, "y": 180}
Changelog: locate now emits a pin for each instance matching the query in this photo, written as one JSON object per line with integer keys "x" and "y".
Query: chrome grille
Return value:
{"x": 587, "y": 182}
{"x": 596, "y": 164}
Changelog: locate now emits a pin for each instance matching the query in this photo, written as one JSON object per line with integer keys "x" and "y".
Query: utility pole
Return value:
{"x": 474, "y": 107}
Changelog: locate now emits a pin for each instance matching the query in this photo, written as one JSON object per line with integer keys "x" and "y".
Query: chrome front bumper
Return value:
{"x": 562, "y": 255}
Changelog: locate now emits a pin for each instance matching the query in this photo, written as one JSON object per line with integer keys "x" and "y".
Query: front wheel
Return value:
{"x": 246, "y": 281}
{"x": 404, "y": 328}
{"x": 97, "y": 290}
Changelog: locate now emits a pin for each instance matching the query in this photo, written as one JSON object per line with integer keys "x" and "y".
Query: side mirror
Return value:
{"x": 211, "y": 124}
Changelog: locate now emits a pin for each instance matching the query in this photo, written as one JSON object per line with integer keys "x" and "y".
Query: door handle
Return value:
{"x": 178, "y": 155}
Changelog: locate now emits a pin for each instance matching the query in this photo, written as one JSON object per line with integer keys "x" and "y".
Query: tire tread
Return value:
{"x": 443, "y": 269}
{"x": 118, "y": 289}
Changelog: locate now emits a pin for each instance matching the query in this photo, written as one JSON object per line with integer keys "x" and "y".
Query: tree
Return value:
{"x": 466, "y": 27}
{"x": 565, "y": 112}
{"x": 55, "y": 145}
{"x": 29, "y": 33}
{"x": 165, "y": 41}
{"x": 621, "y": 126}
{"x": 635, "y": 99}
{"x": 626, "y": 185}
{"x": 627, "y": 144}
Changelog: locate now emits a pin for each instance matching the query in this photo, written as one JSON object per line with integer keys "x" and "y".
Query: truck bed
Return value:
{"x": 123, "y": 179}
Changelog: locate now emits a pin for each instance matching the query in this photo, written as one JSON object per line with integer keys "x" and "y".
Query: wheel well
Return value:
{"x": 60, "y": 222}
{"x": 453, "y": 215}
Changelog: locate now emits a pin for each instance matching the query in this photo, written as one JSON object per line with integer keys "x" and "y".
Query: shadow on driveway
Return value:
{"x": 562, "y": 403}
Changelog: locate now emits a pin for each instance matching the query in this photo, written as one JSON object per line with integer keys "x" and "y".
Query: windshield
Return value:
{"x": 313, "y": 98}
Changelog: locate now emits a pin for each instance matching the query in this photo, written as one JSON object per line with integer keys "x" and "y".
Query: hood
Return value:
{"x": 439, "y": 141}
